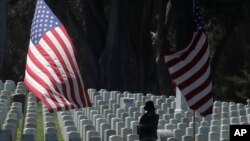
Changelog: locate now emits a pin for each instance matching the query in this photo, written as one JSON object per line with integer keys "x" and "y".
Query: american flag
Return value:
{"x": 190, "y": 69}
{"x": 52, "y": 71}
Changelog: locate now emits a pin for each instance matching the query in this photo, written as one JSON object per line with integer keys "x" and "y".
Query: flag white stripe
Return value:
{"x": 46, "y": 65}
{"x": 70, "y": 49}
{"x": 44, "y": 62}
{"x": 40, "y": 73}
{"x": 68, "y": 65}
{"x": 68, "y": 45}
{"x": 197, "y": 82}
{"x": 205, "y": 106}
{"x": 194, "y": 69}
{"x": 52, "y": 70}
{"x": 46, "y": 47}
{"x": 200, "y": 95}
{"x": 34, "y": 68}
{"x": 39, "y": 88}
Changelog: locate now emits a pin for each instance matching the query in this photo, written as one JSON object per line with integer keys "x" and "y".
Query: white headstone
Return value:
{"x": 187, "y": 138}
{"x": 115, "y": 138}
{"x": 91, "y": 134}
{"x": 85, "y": 129}
{"x": 172, "y": 139}
{"x": 224, "y": 134}
{"x": 103, "y": 127}
{"x": 201, "y": 137}
{"x": 108, "y": 133}
{"x": 178, "y": 133}
{"x": 212, "y": 136}
{"x": 125, "y": 132}
{"x": 119, "y": 126}
{"x": 132, "y": 137}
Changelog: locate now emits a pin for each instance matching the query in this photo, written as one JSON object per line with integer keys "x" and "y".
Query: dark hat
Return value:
{"x": 149, "y": 106}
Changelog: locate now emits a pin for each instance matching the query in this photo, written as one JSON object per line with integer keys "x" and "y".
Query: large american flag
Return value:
{"x": 52, "y": 71}
{"x": 190, "y": 69}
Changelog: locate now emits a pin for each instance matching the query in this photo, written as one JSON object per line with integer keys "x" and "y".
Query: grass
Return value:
{"x": 59, "y": 132}
{"x": 19, "y": 130}
{"x": 40, "y": 129}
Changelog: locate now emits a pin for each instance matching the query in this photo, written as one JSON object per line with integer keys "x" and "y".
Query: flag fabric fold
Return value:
{"x": 52, "y": 72}
{"x": 190, "y": 68}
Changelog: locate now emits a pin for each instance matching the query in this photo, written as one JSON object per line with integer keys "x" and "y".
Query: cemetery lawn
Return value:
{"x": 19, "y": 130}
{"x": 58, "y": 128}
{"x": 40, "y": 129}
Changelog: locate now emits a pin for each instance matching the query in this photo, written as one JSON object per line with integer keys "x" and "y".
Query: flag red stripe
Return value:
{"x": 194, "y": 77}
{"x": 185, "y": 54}
{"x": 191, "y": 64}
{"x": 45, "y": 71}
{"x": 38, "y": 94}
{"x": 65, "y": 68}
{"x": 45, "y": 86}
{"x": 73, "y": 65}
{"x": 190, "y": 69}
{"x": 67, "y": 35}
{"x": 202, "y": 101}
{"x": 52, "y": 70}
{"x": 83, "y": 96}
{"x": 208, "y": 111}
{"x": 198, "y": 89}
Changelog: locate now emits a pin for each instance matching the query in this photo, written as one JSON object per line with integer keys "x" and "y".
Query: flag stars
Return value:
{"x": 44, "y": 20}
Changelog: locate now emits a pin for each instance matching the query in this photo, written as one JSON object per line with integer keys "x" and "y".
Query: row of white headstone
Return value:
{"x": 114, "y": 116}
{"x": 30, "y": 123}
{"x": 213, "y": 127}
{"x": 10, "y": 112}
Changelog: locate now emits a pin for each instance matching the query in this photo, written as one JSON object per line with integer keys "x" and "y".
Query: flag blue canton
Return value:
{"x": 199, "y": 21}
{"x": 44, "y": 20}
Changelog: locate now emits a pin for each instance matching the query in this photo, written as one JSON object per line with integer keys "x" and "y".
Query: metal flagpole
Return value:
{"x": 194, "y": 125}
{"x": 193, "y": 110}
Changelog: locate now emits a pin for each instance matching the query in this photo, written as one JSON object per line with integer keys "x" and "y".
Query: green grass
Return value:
{"x": 59, "y": 132}
{"x": 19, "y": 130}
{"x": 40, "y": 129}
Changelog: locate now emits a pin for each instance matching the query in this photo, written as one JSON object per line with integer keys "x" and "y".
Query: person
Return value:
{"x": 147, "y": 128}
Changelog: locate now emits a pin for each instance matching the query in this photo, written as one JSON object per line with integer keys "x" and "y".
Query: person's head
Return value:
{"x": 149, "y": 106}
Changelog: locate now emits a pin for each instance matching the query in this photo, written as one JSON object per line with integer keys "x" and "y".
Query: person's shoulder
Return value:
{"x": 156, "y": 115}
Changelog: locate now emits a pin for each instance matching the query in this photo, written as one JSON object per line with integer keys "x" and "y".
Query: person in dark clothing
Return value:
{"x": 147, "y": 128}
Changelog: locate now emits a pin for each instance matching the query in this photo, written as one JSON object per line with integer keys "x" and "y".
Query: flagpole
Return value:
{"x": 193, "y": 110}
{"x": 194, "y": 125}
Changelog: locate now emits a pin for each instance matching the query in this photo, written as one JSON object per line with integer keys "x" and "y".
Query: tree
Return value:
{"x": 3, "y": 27}
{"x": 143, "y": 29}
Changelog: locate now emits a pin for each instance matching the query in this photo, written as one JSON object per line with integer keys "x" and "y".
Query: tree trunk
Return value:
{"x": 161, "y": 44}
{"x": 229, "y": 30}
{"x": 147, "y": 64}
{"x": 96, "y": 26}
{"x": 114, "y": 60}
{"x": 3, "y": 26}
